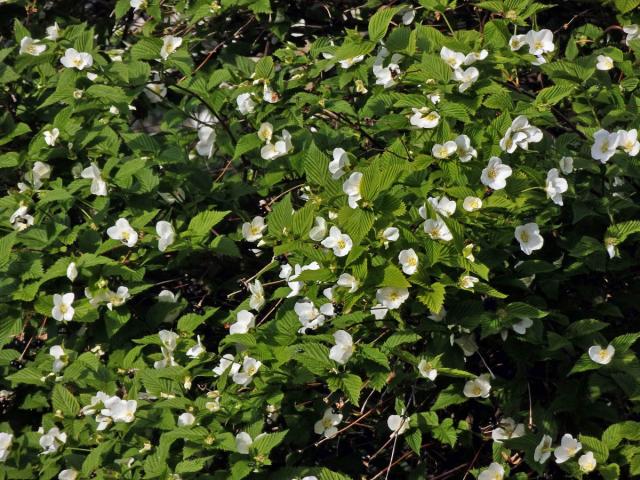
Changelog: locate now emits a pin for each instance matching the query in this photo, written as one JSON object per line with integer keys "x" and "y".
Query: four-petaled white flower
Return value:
{"x": 257, "y": 300}
{"x": 197, "y": 350}
{"x": 252, "y": 231}
{"x": 269, "y": 95}
{"x": 186, "y": 419}
{"x": 72, "y": 271}
{"x": 392, "y": 297}
{"x": 452, "y": 58}
{"x": 30, "y": 46}
{"x": 169, "y": 341}
{"x": 540, "y": 42}
{"x": 520, "y": 134}
{"x": 471, "y": 204}
{"x": 327, "y": 425}
{"x": 466, "y": 78}
{"x": 468, "y": 282}
{"x": 52, "y": 440}
{"x": 347, "y": 280}
{"x": 341, "y": 243}
{"x": 604, "y": 145}
{"x": 587, "y": 462}
{"x": 427, "y": 369}
{"x": 169, "y": 45}
{"x": 319, "y": 230}
{"x": 206, "y": 141}
{"x": 568, "y": 448}
{"x": 386, "y": 76}
{"x": 244, "y": 442}
{"x": 529, "y": 237}
{"x": 281, "y": 147}
{"x": 59, "y": 358}
{"x": 632, "y": 31}
{"x": 265, "y": 132}
{"x": 51, "y": 136}
{"x": 495, "y": 471}
{"x": 604, "y": 63}
{"x": 442, "y": 205}
{"x": 628, "y": 141}
{"x": 117, "y": 298}
{"x": 543, "y": 450}
{"x": 244, "y": 321}
{"x": 555, "y": 186}
{"x": 6, "y": 439}
{"x": 516, "y": 42}
{"x": 68, "y": 474}
{"x": 249, "y": 368}
{"x": 437, "y": 229}
{"x": 351, "y": 187}
{"x": 226, "y": 362}
{"x": 398, "y": 424}
{"x": 477, "y": 387}
{"x": 123, "y": 232}
{"x": 474, "y": 57}
{"x": 424, "y": 118}
{"x": 521, "y": 326}
{"x": 98, "y": 185}
{"x": 339, "y": 163}
{"x": 444, "y": 150}
{"x": 245, "y": 103}
{"x": 62, "y": 307}
{"x": 53, "y": 32}
{"x": 343, "y": 349}
{"x": 75, "y": 59}
{"x": 464, "y": 150}
{"x": 166, "y": 234}
{"x": 566, "y": 165}
{"x": 409, "y": 261}
{"x": 495, "y": 174}
{"x": 20, "y": 219}
{"x": 390, "y": 234}
{"x": 507, "y": 429}
{"x": 600, "y": 355}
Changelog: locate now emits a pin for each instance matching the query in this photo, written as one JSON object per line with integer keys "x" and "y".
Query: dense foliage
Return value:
{"x": 332, "y": 240}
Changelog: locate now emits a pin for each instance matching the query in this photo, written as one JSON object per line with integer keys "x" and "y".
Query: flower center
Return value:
{"x": 492, "y": 173}
{"x": 524, "y": 237}
{"x": 341, "y": 244}
{"x": 64, "y": 308}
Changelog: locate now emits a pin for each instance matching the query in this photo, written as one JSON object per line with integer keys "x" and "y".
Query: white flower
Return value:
{"x": 59, "y": 358}
{"x": 226, "y": 362}
{"x": 75, "y": 59}
{"x": 468, "y": 282}
{"x": 250, "y": 367}
{"x": 508, "y": 428}
{"x": 444, "y": 150}
{"x": 51, "y": 136}
{"x": 587, "y": 462}
{"x": 257, "y": 300}
{"x": 385, "y": 76}
{"x": 408, "y": 15}
{"x": 169, "y": 45}
{"x": 338, "y": 164}
{"x": 20, "y": 219}
{"x": 424, "y": 118}
{"x": 604, "y": 145}
{"x": 166, "y": 234}
{"x": 252, "y": 231}
{"x": 167, "y": 296}
{"x": 434, "y": 98}
{"x": 390, "y": 234}
{"x": 138, "y": 4}
{"x": 464, "y": 150}
{"x": 53, "y": 32}
{"x": 471, "y": 204}
{"x": 245, "y": 104}
{"x": 69, "y": 473}
{"x": 555, "y": 186}
{"x": 467, "y": 343}
{"x": 206, "y": 141}
{"x": 604, "y": 62}
{"x": 409, "y": 261}
{"x": 521, "y": 326}
{"x": 197, "y": 350}
{"x": 343, "y": 349}
{"x": 495, "y": 174}
{"x": 442, "y": 205}
{"x": 392, "y": 297}
{"x": 271, "y": 151}
{"x": 566, "y": 165}
{"x": 243, "y": 442}
{"x": 352, "y": 188}
{"x": 529, "y": 237}
{"x": 117, "y": 298}
{"x": 427, "y": 370}
{"x": 52, "y": 440}
{"x": 120, "y": 411}
{"x": 340, "y": 242}
{"x": 495, "y": 471}
{"x": 169, "y": 341}
{"x": 98, "y": 185}
{"x": 186, "y": 419}
{"x": 269, "y": 95}
{"x": 439, "y": 316}
{"x": 265, "y": 132}
{"x": 319, "y": 230}
{"x": 39, "y": 172}
{"x": 6, "y": 439}
{"x": 516, "y": 42}
{"x": 437, "y": 229}
{"x": 398, "y": 424}
{"x": 31, "y": 47}
{"x": 632, "y": 31}
{"x": 308, "y": 315}
{"x": 452, "y": 58}
{"x": 347, "y": 280}
{"x": 379, "y": 311}
{"x": 72, "y": 271}
{"x": 543, "y": 450}
{"x": 62, "y": 309}
{"x": 569, "y": 446}
{"x": 351, "y": 61}
{"x": 327, "y": 425}
{"x": 244, "y": 321}
{"x": 540, "y": 42}
{"x": 601, "y": 355}
{"x": 520, "y": 134}
{"x": 122, "y": 231}
{"x": 466, "y": 78}
{"x": 629, "y": 142}
{"x": 474, "y": 57}
{"x": 478, "y": 387}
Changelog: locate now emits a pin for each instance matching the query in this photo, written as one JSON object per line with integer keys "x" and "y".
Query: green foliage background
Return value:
{"x": 574, "y": 293}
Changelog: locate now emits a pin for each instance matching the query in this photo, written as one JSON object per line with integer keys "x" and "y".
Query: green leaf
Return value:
{"x": 63, "y": 400}
{"x": 379, "y": 23}
{"x": 433, "y": 298}
{"x": 200, "y": 226}
{"x": 268, "y": 442}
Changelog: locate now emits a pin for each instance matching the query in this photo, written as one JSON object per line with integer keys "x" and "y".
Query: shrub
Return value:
{"x": 254, "y": 239}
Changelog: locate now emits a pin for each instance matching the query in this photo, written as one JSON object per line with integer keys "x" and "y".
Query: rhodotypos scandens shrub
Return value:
{"x": 268, "y": 239}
